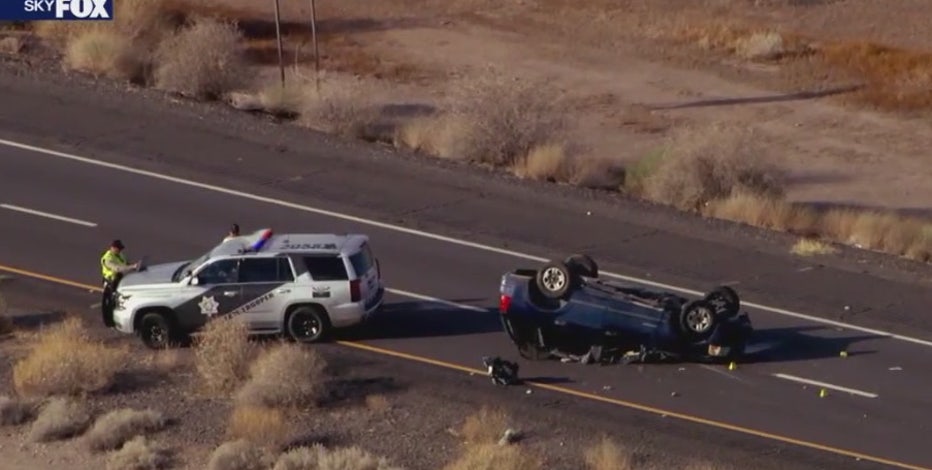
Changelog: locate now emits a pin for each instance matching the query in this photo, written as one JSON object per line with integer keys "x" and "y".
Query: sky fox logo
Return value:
{"x": 71, "y": 9}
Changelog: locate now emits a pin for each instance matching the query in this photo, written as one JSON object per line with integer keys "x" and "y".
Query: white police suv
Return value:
{"x": 301, "y": 285}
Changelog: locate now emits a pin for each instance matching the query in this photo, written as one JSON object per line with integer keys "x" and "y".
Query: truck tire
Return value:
{"x": 307, "y": 325}
{"x": 697, "y": 320}
{"x": 725, "y": 300}
{"x": 157, "y": 330}
{"x": 583, "y": 265}
{"x": 555, "y": 280}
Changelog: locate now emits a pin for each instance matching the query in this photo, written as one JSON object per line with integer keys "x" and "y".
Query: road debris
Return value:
{"x": 502, "y": 372}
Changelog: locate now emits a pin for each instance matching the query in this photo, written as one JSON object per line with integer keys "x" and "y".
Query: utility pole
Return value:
{"x": 316, "y": 50}
{"x": 278, "y": 33}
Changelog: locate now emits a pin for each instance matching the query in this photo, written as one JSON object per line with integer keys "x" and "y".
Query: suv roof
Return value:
{"x": 311, "y": 243}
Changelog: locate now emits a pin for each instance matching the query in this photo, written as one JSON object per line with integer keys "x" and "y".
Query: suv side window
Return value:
{"x": 274, "y": 269}
{"x": 326, "y": 268}
{"x": 224, "y": 271}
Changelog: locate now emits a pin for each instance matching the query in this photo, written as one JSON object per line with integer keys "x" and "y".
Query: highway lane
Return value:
{"x": 171, "y": 221}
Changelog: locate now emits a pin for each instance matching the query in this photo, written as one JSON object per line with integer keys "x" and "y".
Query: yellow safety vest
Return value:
{"x": 108, "y": 255}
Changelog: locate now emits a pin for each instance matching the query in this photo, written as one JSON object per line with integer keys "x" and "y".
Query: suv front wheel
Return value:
{"x": 157, "y": 331}
{"x": 307, "y": 325}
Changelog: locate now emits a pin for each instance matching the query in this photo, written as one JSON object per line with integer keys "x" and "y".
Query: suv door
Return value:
{"x": 220, "y": 293}
{"x": 266, "y": 286}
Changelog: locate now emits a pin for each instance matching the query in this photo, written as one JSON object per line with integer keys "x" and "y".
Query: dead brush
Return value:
{"x": 240, "y": 455}
{"x": 485, "y": 426}
{"x": 261, "y": 425}
{"x": 65, "y": 360}
{"x": 139, "y": 454}
{"x": 115, "y": 428}
{"x": 339, "y": 458}
{"x": 203, "y": 60}
{"x": 703, "y": 165}
{"x": 139, "y": 22}
{"x": 344, "y": 105}
{"x": 500, "y": 119}
{"x": 493, "y": 456}
{"x": 607, "y": 455}
{"x": 104, "y": 53}
{"x": 288, "y": 375}
{"x": 222, "y": 353}
{"x": 60, "y": 418}
{"x": 767, "y": 212}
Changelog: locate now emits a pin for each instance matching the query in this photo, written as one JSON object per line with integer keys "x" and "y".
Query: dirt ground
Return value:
{"x": 632, "y": 77}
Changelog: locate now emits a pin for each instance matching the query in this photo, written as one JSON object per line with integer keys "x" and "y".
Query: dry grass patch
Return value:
{"x": 60, "y": 418}
{"x": 139, "y": 454}
{"x": 287, "y": 375}
{"x": 344, "y": 105}
{"x": 113, "y": 429}
{"x": 433, "y": 135}
{"x": 64, "y": 360}
{"x": 319, "y": 457}
{"x": 701, "y": 165}
{"x": 222, "y": 353}
{"x": 766, "y": 45}
{"x": 496, "y": 457}
{"x": 104, "y": 53}
{"x": 11, "y": 45}
{"x": 378, "y": 403}
{"x": 283, "y": 101}
{"x": 261, "y": 425}
{"x": 887, "y": 232}
{"x": 607, "y": 455}
{"x": 202, "y": 60}
{"x": 896, "y": 78}
{"x": 484, "y": 427}
{"x": 239, "y": 455}
{"x": 811, "y": 247}
{"x": 561, "y": 163}
{"x": 766, "y": 212}
{"x": 14, "y": 412}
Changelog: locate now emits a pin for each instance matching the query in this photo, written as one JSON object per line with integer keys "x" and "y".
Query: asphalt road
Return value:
{"x": 168, "y": 221}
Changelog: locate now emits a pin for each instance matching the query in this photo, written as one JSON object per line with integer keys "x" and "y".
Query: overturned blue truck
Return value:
{"x": 565, "y": 310}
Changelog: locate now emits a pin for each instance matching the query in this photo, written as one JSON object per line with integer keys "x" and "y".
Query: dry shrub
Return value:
{"x": 278, "y": 100}
{"x": 222, "y": 354}
{"x": 259, "y": 424}
{"x": 766, "y": 212}
{"x": 286, "y": 375}
{"x": 485, "y": 427}
{"x": 64, "y": 360}
{"x": 165, "y": 361}
{"x": 433, "y": 135}
{"x": 562, "y": 163}
{"x": 103, "y": 53}
{"x": 811, "y": 246}
{"x": 11, "y": 45}
{"x": 203, "y": 60}
{"x": 139, "y": 454}
{"x": 15, "y": 412}
{"x": 113, "y": 429}
{"x": 239, "y": 455}
{"x": 879, "y": 231}
{"x": 703, "y": 165}
{"x": 496, "y": 457}
{"x": 60, "y": 418}
{"x": 141, "y": 22}
{"x": 377, "y": 403}
{"x": 760, "y": 46}
{"x": 321, "y": 458}
{"x": 607, "y": 455}
{"x": 896, "y": 78}
{"x": 500, "y": 120}
{"x": 344, "y": 105}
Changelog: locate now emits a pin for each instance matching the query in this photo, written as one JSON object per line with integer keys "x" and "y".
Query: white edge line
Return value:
{"x": 47, "y": 215}
{"x": 825, "y": 385}
{"x": 454, "y": 241}
{"x": 434, "y": 299}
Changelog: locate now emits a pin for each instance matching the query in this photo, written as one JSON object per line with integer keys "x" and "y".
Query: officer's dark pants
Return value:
{"x": 106, "y": 301}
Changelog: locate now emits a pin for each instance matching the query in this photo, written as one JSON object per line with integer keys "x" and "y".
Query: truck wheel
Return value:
{"x": 157, "y": 331}
{"x": 583, "y": 265}
{"x": 698, "y": 320}
{"x": 555, "y": 280}
{"x": 307, "y": 325}
{"x": 725, "y": 300}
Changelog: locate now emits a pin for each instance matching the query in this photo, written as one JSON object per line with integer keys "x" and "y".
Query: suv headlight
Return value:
{"x": 119, "y": 300}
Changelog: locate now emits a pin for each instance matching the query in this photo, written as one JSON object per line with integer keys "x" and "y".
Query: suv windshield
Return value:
{"x": 183, "y": 270}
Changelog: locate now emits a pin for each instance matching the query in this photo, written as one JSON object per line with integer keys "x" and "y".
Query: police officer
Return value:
{"x": 234, "y": 232}
{"x": 113, "y": 265}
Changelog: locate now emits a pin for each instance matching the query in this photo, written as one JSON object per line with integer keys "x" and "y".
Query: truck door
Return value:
{"x": 219, "y": 294}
